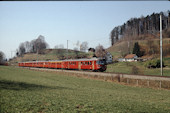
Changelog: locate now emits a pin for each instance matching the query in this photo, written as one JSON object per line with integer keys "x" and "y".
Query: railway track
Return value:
{"x": 106, "y": 74}
{"x": 151, "y": 81}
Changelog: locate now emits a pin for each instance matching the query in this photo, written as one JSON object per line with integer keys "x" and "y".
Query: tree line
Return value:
{"x": 34, "y": 46}
{"x": 135, "y": 27}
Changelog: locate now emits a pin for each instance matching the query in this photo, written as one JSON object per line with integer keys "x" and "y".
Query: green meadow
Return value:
{"x": 24, "y": 90}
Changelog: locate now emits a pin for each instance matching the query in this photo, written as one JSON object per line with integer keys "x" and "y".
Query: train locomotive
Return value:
{"x": 94, "y": 64}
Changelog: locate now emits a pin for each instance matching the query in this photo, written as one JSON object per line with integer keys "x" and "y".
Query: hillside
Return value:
{"x": 145, "y": 31}
{"x": 51, "y": 54}
{"x": 149, "y": 46}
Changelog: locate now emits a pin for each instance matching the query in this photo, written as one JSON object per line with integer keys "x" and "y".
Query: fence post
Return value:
{"x": 127, "y": 81}
{"x": 148, "y": 83}
{"x": 137, "y": 82}
{"x": 160, "y": 84}
{"x": 118, "y": 78}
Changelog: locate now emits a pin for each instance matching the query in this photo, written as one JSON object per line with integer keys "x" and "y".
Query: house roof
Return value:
{"x": 130, "y": 56}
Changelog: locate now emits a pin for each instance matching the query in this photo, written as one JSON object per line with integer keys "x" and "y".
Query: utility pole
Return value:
{"x": 161, "y": 44}
{"x": 11, "y": 54}
{"x": 128, "y": 48}
{"x": 67, "y": 49}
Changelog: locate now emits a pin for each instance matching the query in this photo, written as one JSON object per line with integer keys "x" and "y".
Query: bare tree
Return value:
{"x": 21, "y": 49}
{"x": 2, "y": 57}
{"x": 100, "y": 51}
{"x": 27, "y": 46}
{"x": 17, "y": 52}
{"x": 35, "y": 46}
{"x": 135, "y": 27}
{"x": 84, "y": 46}
{"x": 38, "y": 45}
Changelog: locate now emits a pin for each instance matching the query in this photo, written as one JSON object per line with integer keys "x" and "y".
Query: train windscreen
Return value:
{"x": 101, "y": 62}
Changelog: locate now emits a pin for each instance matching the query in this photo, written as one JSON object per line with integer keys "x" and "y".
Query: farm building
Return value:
{"x": 131, "y": 58}
{"x": 108, "y": 58}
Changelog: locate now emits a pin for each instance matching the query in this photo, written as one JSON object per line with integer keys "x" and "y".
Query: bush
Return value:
{"x": 155, "y": 63}
{"x": 135, "y": 70}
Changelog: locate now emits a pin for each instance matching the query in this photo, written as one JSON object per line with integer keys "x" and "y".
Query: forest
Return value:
{"x": 138, "y": 28}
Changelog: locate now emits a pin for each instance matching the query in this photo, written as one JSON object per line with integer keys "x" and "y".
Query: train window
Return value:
{"x": 101, "y": 62}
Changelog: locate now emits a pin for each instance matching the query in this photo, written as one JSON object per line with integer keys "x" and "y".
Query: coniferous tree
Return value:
{"x": 136, "y": 49}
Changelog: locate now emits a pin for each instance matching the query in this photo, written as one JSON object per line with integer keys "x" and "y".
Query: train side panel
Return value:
{"x": 91, "y": 64}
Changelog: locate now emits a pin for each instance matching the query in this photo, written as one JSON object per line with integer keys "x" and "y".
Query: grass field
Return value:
{"x": 127, "y": 67}
{"x": 23, "y": 90}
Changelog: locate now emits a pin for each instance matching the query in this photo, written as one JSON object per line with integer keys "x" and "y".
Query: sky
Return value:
{"x": 59, "y": 21}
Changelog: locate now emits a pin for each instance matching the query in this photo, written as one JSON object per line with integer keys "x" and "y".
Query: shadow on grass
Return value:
{"x": 12, "y": 85}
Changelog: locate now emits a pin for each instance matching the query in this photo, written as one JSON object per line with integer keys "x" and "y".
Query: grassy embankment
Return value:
{"x": 128, "y": 68}
{"x": 120, "y": 48}
{"x": 151, "y": 48}
{"x": 50, "y": 54}
{"x": 23, "y": 90}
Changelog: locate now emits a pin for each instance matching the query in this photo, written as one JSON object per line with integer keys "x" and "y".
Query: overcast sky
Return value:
{"x": 59, "y": 21}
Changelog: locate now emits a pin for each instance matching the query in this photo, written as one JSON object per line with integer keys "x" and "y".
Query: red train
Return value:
{"x": 94, "y": 64}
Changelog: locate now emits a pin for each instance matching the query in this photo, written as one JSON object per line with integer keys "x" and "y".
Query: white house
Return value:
{"x": 131, "y": 58}
{"x": 108, "y": 58}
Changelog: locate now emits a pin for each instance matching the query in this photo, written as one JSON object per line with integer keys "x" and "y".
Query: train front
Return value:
{"x": 101, "y": 65}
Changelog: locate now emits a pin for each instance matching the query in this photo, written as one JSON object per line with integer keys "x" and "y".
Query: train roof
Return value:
{"x": 63, "y": 60}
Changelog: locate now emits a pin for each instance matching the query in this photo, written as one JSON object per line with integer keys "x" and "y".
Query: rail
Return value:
{"x": 138, "y": 80}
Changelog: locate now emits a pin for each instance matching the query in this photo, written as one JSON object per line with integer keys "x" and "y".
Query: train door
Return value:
{"x": 93, "y": 65}
{"x": 79, "y": 65}
{"x": 65, "y": 65}
{"x": 90, "y": 65}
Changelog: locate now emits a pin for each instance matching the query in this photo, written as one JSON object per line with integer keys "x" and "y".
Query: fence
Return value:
{"x": 137, "y": 80}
